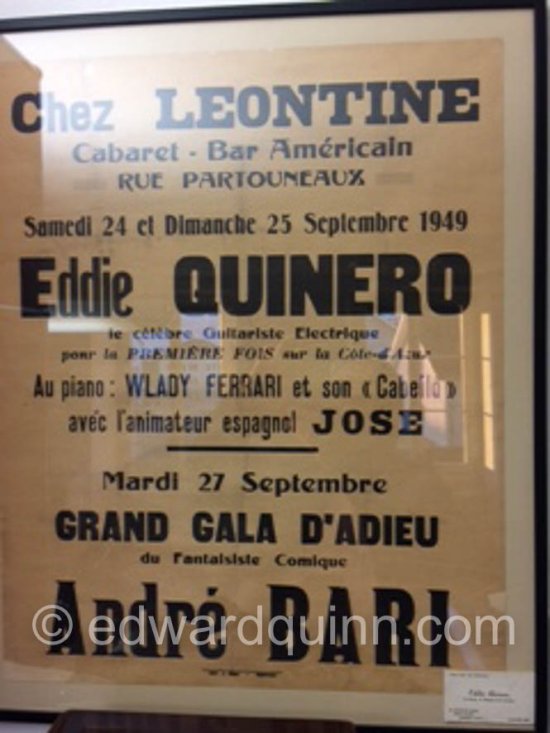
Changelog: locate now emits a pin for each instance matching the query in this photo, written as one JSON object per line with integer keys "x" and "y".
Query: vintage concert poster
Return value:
{"x": 262, "y": 363}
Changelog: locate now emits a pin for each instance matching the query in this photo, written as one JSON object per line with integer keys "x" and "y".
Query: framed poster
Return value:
{"x": 273, "y": 364}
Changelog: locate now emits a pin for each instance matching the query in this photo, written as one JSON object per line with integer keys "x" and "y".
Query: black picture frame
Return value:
{"x": 540, "y": 120}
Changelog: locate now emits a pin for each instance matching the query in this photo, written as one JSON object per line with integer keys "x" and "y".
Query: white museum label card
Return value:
{"x": 489, "y": 697}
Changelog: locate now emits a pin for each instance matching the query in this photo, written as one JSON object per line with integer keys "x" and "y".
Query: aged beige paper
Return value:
{"x": 253, "y": 302}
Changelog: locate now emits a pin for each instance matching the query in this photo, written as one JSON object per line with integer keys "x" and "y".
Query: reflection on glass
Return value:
{"x": 464, "y": 401}
{"x": 487, "y": 392}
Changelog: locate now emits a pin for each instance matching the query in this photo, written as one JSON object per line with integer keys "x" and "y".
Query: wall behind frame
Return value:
{"x": 29, "y": 8}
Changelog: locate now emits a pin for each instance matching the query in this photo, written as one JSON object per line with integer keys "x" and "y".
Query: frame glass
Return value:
{"x": 273, "y": 336}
